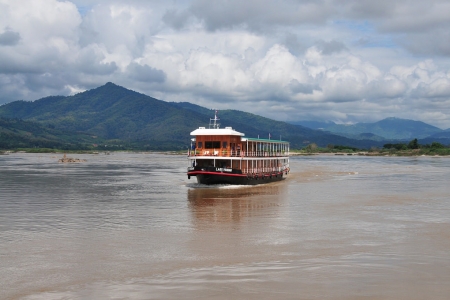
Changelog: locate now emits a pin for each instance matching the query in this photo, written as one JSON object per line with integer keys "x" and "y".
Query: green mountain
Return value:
{"x": 113, "y": 112}
{"x": 109, "y": 111}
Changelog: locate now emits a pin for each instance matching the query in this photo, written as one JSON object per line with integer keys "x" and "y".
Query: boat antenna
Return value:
{"x": 213, "y": 122}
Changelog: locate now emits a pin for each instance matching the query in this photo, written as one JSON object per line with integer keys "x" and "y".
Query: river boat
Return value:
{"x": 226, "y": 156}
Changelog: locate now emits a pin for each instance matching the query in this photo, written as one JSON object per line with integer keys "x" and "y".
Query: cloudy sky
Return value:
{"x": 340, "y": 60}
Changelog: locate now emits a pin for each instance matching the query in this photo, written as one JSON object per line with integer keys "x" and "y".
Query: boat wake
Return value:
{"x": 215, "y": 186}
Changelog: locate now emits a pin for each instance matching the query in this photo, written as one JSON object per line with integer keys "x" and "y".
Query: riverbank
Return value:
{"x": 415, "y": 152}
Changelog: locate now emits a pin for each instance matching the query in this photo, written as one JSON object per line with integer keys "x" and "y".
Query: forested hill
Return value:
{"x": 113, "y": 112}
{"x": 15, "y": 133}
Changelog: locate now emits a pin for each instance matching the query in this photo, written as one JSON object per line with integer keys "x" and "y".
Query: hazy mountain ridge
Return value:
{"x": 387, "y": 129}
{"x": 317, "y": 125}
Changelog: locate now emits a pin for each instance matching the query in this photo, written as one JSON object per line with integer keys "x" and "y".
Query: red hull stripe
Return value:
{"x": 194, "y": 173}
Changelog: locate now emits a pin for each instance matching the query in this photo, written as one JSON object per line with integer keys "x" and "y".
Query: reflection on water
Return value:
{"x": 234, "y": 203}
{"x": 132, "y": 226}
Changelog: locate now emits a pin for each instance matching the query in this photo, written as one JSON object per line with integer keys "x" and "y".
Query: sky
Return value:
{"x": 345, "y": 61}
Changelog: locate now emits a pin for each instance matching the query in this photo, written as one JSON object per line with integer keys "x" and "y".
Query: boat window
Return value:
{"x": 224, "y": 144}
{"x": 199, "y": 145}
{"x": 212, "y": 145}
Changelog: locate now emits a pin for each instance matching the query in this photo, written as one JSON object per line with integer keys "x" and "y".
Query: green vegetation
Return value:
{"x": 15, "y": 134}
{"x": 330, "y": 148}
{"x": 413, "y": 148}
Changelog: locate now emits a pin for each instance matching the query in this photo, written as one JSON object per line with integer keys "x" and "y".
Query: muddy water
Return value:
{"x": 132, "y": 226}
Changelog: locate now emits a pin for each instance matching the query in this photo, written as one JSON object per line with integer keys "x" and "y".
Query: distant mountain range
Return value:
{"x": 387, "y": 129}
{"x": 113, "y": 115}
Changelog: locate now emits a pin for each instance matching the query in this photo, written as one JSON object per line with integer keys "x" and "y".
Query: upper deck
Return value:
{"x": 227, "y": 142}
{"x": 230, "y": 143}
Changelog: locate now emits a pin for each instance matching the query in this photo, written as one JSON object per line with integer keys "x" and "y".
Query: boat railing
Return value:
{"x": 265, "y": 170}
{"x": 237, "y": 153}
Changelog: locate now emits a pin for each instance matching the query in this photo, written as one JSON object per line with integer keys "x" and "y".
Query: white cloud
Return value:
{"x": 344, "y": 61}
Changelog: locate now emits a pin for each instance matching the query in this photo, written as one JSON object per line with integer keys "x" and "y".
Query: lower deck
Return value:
{"x": 243, "y": 170}
{"x": 244, "y": 165}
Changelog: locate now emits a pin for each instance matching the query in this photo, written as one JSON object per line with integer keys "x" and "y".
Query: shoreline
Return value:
{"x": 378, "y": 154}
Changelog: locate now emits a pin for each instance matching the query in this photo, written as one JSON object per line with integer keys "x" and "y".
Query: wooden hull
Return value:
{"x": 208, "y": 178}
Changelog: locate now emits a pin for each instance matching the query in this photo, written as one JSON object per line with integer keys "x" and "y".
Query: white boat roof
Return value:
{"x": 216, "y": 131}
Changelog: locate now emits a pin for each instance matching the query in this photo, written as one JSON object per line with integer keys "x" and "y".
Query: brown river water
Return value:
{"x": 132, "y": 226}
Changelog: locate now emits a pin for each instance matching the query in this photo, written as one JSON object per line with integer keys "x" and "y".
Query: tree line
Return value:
{"x": 414, "y": 144}
{"x": 408, "y": 148}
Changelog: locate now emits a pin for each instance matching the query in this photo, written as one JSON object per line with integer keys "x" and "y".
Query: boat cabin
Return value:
{"x": 229, "y": 149}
